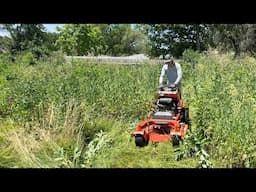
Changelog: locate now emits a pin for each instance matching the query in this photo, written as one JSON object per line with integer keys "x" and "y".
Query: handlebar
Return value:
{"x": 171, "y": 86}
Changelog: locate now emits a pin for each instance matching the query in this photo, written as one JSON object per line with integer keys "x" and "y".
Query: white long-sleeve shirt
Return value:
{"x": 174, "y": 74}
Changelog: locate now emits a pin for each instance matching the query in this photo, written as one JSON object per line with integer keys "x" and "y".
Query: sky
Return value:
{"x": 52, "y": 27}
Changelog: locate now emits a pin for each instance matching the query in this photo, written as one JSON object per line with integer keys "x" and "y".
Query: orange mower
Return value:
{"x": 169, "y": 122}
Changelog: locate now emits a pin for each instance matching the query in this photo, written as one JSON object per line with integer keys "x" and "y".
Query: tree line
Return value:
{"x": 126, "y": 39}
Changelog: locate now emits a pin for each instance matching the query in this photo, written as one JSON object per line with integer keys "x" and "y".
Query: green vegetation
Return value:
{"x": 123, "y": 39}
{"x": 78, "y": 114}
{"x": 75, "y": 113}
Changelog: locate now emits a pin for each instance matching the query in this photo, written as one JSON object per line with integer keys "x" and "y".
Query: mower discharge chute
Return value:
{"x": 169, "y": 122}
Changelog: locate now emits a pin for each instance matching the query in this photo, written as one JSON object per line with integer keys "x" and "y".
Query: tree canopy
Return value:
{"x": 126, "y": 39}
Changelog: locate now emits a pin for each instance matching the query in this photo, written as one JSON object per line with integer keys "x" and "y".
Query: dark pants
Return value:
{"x": 179, "y": 89}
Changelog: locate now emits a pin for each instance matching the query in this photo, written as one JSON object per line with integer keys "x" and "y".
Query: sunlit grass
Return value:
{"x": 82, "y": 115}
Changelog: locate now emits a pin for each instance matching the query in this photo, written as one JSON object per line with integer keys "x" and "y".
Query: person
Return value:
{"x": 173, "y": 71}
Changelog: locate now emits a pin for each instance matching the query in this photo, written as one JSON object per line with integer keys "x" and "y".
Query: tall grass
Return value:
{"x": 222, "y": 105}
{"x": 116, "y": 91}
{"x": 78, "y": 114}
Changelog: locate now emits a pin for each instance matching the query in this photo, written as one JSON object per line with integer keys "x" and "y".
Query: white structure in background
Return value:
{"x": 139, "y": 58}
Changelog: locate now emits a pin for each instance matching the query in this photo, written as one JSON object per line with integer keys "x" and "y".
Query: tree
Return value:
{"x": 175, "y": 38}
{"x": 108, "y": 39}
{"x": 116, "y": 38}
{"x": 249, "y": 44}
{"x": 51, "y": 39}
{"x": 228, "y": 36}
{"x": 5, "y": 44}
{"x": 25, "y": 36}
{"x": 80, "y": 39}
{"x": 240, "y": 38}
{"x": 121, "y": 39}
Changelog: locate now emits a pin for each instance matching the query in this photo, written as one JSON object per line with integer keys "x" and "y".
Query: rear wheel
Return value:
{"x": 140, "y": 141}
{"x": 176, "y": 139}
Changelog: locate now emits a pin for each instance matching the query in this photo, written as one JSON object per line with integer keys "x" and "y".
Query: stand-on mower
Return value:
{"x": 169, "y": 122}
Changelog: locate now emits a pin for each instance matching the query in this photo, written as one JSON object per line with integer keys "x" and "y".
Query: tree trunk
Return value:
{"x": 236, "y": 47}
{"x": 197, "y": 38}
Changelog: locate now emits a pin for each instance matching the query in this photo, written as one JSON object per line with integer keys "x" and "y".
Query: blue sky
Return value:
{"x": 52, "y": 27}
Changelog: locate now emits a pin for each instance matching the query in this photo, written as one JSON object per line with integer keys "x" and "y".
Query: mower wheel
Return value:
{"x": 185, "y": 116}
{"x": 176, "y": 139}
{"x": 140, "y": 141}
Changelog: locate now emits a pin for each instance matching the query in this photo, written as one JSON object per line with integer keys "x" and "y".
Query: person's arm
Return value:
{"x": 179, "y": 74}
{"x": 161, "y": 78}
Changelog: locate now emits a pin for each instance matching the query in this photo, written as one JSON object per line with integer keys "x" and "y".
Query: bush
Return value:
{"x": 6, "y": 58}
{"x": 28, "y": 58}
{"x": 190, "y": 55}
